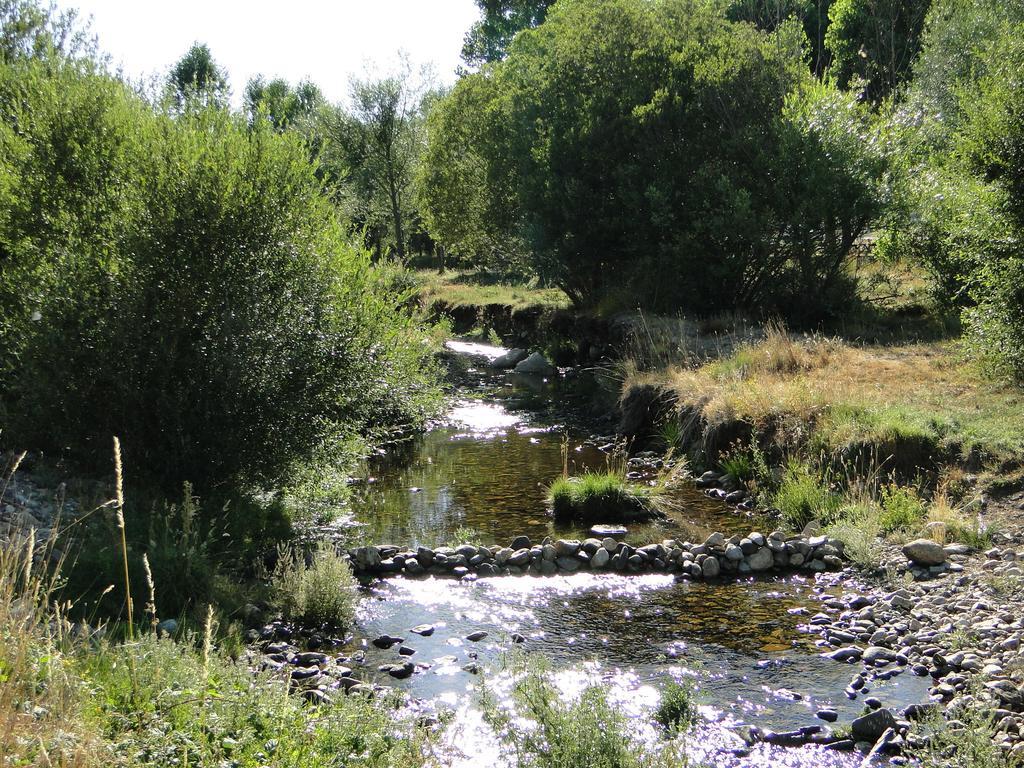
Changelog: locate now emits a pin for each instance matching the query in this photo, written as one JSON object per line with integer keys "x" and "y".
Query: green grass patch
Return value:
{"x": 468, "y": 289}
{"x": 803, "y": 496}
{"x": 597, "y": 497}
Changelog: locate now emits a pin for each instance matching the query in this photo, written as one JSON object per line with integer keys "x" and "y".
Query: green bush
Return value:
{"x": 676, "y": 711}
{"x": 596, "y": 497}
{"x": 544, "y": 730}
{"x": 319, "y": 592}
{"x": 193, "y": 293}
{"x": 802, "y": 497}
{"x": 621, "y": 142}
{"x": 902, "y": 510}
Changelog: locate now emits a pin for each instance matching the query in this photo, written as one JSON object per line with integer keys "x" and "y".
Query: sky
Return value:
{"x": 326, "y": 42}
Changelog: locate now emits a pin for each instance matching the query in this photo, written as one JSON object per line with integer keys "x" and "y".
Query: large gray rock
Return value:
{"x": 710, "y": 568}
{"x": 536, "y": 364}
{"x": 509, "y": 360}
{"x": 925, "y": 552}
{"x": 871, "y": 726}
{"x": 761, "y": 560}
{"x": 600, "y": 558}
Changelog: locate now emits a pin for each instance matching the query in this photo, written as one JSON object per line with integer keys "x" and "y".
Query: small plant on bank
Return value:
{"x": 320, "y": 591}
{"x": 544, "y": 730}
{"x": 602, "y": 497}
{"x": 902, "y": 510}
{"x": 803, "y": 496}
{"x": 676, "y": 711}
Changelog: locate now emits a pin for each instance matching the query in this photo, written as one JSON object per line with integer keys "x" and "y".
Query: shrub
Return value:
{"x": 546, "y": 731}
{"x": 902, "y": 510}
{"x": 209, "y": 310}
{"x": 676, "y": 711}
{"x": 601, "y": 497}
{"x": 802, "y": 497}
{"x": 709, "y": 155}
{"x": 859, "y": 529}
{"x": 319, "y": 592}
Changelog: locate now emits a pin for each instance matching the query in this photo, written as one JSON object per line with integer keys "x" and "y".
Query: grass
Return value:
{"x": 545, "y": 729}
{"x": 676, "y": 711}
{"x": 467, "y": 289}
{"x": 802, "y": 497}
{"x": 74, "y": 696}
{"x": 914, "y": 402}
{"x": 595, "y": 497}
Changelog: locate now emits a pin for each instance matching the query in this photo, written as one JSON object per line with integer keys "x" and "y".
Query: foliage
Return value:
{"x": 279, "y": 102}
{"x": 182, "y": 281}
{"x": 770, "y": 14}
{"x": 197, "y": 79}
{"x": 546, "y": 731}
{"x": 488, "y": 39}
{"x": 857, "y": 526}
{"x": 802, "y": 497}
{"x": 701, "y": 155}
{"x": 875, "y": 41}
{"x": 370, "y": 153}
{"x": 601, "y": 497}
{"x": 902, "y": 510}
{"x": 676, "y": 710}
{"x": 318, "y": 592}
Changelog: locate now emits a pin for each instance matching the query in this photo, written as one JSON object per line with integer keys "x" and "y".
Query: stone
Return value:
{"x": 871, "y": 726}
{"x": 846, "y": 654}
{"x": 399, "y": 671}
{"x": 828, "y": 715}
{"x": 710, "y": 568}
{"x": 876, "y": 654}
{"x": 386, "y": 641}
{"x": 566, "y": 547}
{"x": 761, "y": 560}
{"x": 600, "y": 558}
{"x": 535, "y": 365}
{"x": 476, "y": 636}
{"x": 424, "y": 630}
{"x": 519, "y": 558}
{"x": 509, "y": 360}
{"x": 570, "y": 564}
{"x": 520, "y": 542}
{"x": 605, "y": 531}
{"x": 925, "y": 552}
{"x": 167, "y": 628}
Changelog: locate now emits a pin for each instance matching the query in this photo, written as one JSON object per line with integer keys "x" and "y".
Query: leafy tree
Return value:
{"x": 371, "y": 151}
{"x": 279, "y": 102}
{"x": 489, "y": 38}
{"x": 636, "y": 141}
{"x": 875, "y": 40}
{"x": 769, "y": 14}
{"x": 30, "y": 30}
{"x": 197, "y": 77}
{"x": 181, "y": 281}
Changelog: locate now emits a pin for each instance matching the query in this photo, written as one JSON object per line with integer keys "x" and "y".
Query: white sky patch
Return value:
{"x": 326, "y": 42}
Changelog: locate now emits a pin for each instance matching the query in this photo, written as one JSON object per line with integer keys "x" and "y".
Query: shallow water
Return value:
{"x": 486, "y": 466}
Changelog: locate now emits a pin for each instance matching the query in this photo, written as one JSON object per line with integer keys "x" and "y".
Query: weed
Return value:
{"x": 902, "y": 510}
{"x": 319, "y": 592}
{"x": 676, "y": 711}
{"x": 802, "y": 497}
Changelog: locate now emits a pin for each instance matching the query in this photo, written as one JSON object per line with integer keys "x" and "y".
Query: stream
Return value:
{"x": 483, "y": 469}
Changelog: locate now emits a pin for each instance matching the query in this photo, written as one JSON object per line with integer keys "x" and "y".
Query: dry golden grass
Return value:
{"x": 856, "y": 392}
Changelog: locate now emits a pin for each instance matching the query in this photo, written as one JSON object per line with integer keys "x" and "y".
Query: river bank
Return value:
{"x": 760, "y": 647}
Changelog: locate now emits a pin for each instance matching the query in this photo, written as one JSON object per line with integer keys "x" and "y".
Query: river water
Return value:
{"x": 484, "y": 468}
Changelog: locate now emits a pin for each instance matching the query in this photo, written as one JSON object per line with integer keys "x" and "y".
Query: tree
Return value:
{"x": 197, "y": 77}
{"x": 769, "y": 14}
{"x": 660, "y": 154}
{"x": 371, "y": 151}
{"x": 489, "y": 38}
{"x": 279, "y": 102}
{"x": 875, "y": 40}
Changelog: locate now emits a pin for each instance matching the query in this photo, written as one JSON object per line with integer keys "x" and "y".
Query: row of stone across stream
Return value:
{"x": 717, "y": 556}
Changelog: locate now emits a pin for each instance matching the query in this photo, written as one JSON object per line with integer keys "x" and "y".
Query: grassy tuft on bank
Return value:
{"x": 596, "y": 497}
{"x": 455, "y": 289}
